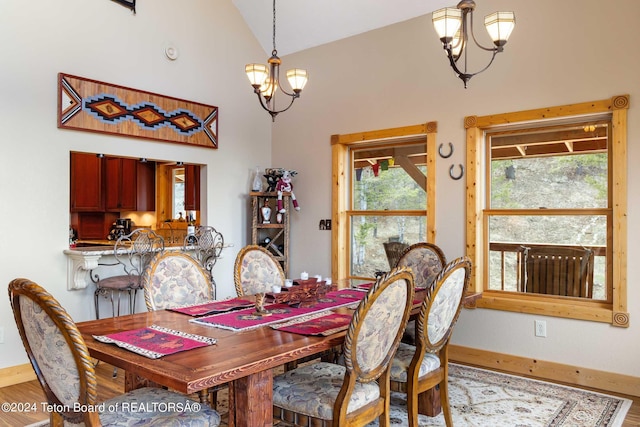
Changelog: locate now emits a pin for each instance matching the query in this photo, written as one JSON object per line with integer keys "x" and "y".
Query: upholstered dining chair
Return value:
{"x": 328, "y": 394}
{"x": 175, "y": 279}
{"x": 417, "y": 369}
{"x": 61, "y": 361}
{"x": 132, "y": 253}
{"x": 256, "y": 271}
{"x": 425, "y": 261}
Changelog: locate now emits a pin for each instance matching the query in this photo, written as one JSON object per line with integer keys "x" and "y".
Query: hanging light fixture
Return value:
{"x": 453, "y": 26}
{"x": 265, "y": 79}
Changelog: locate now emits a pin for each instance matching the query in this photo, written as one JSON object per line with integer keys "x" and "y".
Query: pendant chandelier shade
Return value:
{"x": 265, "y": 79}
{"x": 454, "y": 25}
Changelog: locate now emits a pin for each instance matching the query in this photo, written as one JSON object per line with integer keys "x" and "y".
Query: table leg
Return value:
{"x": 429, "y": 402}
{"x": 133, "y": 381}
{"x": 251, "y": 401}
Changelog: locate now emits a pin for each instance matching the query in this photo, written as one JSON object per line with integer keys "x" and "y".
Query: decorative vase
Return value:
{"x": 257, "y": 180}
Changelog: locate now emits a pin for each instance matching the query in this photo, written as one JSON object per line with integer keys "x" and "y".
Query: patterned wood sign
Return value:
{"x": 95, "y": 106}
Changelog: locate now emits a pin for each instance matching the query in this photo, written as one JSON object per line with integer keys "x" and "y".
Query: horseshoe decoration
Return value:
{"x": 446, "y": 156}
{"x": 461, "y": 172}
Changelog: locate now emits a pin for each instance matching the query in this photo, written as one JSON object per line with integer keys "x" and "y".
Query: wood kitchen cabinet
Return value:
{"x": 87, "y": 183}
{"x": 146, "y": 186}
{"x": 121, "y": 184}
{"x": 192, "y": 187}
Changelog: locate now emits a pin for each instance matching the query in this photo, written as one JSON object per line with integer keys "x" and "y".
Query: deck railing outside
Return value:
{"x": 505, "y": 266}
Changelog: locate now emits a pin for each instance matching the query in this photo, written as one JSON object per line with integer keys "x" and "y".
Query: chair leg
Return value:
{"x": 444, "y": 398}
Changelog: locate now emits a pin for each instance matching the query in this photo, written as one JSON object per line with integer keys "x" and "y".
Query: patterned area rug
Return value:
{"x": 481, "y": 398}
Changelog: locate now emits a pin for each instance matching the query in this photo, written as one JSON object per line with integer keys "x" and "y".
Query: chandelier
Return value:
{"x": 453, "y": 26}
{"x": 265, "y": 79}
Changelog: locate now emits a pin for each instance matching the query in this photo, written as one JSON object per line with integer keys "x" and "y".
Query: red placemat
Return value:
{"x": 248, "y": 319}
{"x": 155, "y": 341}
{"x": 213, "y": 307}
{"x": 322, "y": 324}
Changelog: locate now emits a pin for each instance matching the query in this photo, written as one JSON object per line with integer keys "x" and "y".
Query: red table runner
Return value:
{"x": 320, "y": 324}
{"x": 155, "y": 341}
{"x": 213, "y": 307}
{"x": 248, "y": 319}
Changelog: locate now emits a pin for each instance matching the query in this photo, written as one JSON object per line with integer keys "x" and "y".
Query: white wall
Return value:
{"x": 104, "y": 41}
{"x": 399, "y": 76}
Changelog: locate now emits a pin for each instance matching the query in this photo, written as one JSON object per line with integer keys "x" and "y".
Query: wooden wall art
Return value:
{"x": 94, "y": 106}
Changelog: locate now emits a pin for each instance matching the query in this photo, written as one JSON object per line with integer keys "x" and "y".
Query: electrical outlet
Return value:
{"x": 541, "y": 328}
{"x": 1, "y": 335}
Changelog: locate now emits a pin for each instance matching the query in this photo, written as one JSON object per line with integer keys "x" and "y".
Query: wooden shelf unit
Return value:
{"x": 277, "y": 233}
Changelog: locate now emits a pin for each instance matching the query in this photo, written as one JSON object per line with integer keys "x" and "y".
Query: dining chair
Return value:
{"x": 61, "y": 361}
{"x": 425, "y": 260}
{"x": 206, "y": 245}
{"x": 175, "y": 279}
{"x": 132, "y": 253}
{"x": 329, "y": 394}
{"x": 256, "y": 271}
{"x": 417, "y": 369}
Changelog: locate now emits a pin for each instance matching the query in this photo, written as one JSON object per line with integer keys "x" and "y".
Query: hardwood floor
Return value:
{"x": 30, "y": 394}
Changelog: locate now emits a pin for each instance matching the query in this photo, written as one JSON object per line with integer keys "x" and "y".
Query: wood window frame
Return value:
{"x": 340, "y": 200}
{"x": 615, "y": 312}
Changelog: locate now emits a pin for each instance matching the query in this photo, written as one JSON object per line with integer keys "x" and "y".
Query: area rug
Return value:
{"x": 481, "y": 398}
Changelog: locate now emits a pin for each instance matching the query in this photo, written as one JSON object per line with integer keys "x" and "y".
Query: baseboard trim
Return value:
{"x": 601, "y": 380}
{"x": 16, "y": 374}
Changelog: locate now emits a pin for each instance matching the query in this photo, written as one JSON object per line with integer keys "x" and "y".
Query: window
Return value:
{"x": 547, "y": 211}
{"x": 384, "y": 193}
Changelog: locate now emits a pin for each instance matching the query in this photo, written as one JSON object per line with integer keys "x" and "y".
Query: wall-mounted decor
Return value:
{"x": 131, "y": 4}
{"x": 94, "y": 106}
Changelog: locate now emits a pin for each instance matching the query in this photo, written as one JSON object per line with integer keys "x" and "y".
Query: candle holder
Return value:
{"x": 260, "y": 310}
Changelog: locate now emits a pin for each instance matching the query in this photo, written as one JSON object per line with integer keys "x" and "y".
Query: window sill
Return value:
{"x": 595, "y": 311}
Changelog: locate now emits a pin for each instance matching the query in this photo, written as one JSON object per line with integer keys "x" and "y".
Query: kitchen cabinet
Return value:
{"x": 272, "y": 235}
{"x": 120, "y": 184}
{"x": 146, "y": 186}
{"x": 86, "y": 183}
{"x": 192, "y": 187}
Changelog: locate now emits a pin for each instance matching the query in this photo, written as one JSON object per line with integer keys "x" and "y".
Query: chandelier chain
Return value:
{"x": 274, "y": 25}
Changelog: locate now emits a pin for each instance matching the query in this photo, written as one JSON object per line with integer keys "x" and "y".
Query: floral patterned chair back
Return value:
{"x": 175, "y": 279}
{"x": 256, "y": 271}
{"x": 441, "y": 308}
{"x": 61, "y": 361}
{"x": 358, "y": 392}
{"x": 377, "y": 325}
{"x": 426, "y": 260}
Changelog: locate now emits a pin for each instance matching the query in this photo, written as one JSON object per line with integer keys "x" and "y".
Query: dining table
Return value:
{"x": 243, "y": 359}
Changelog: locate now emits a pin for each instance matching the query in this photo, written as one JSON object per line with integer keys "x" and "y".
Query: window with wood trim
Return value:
{"x": 547, "y": 210}
{"x": 384, "y": 192}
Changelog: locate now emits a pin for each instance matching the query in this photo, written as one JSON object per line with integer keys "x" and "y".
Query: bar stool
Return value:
{"x": 132, "y": 252}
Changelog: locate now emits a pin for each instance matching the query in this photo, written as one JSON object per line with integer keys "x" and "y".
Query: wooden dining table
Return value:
{"x": 242, "y": 359}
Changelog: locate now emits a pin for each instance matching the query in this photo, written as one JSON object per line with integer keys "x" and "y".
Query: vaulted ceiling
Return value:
{"x": 302, "y": 24}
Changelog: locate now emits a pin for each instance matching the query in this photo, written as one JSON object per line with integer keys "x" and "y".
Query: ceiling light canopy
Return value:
{"x": 454, "y": 25}
{"x": 265, "y": 79}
